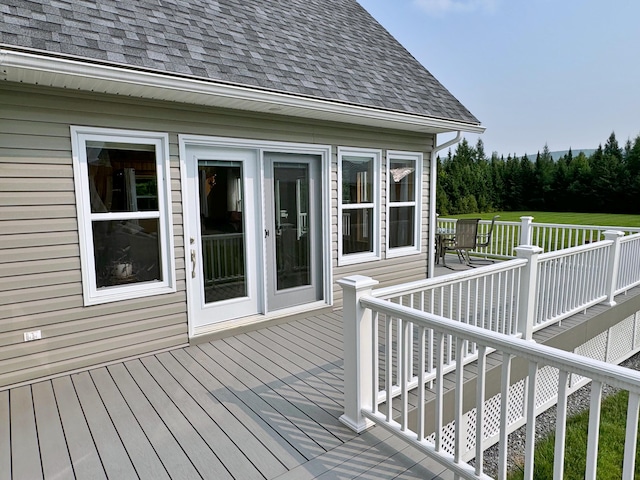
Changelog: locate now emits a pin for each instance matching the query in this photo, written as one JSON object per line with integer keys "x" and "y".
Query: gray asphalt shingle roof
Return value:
{"x": 329, "y": 49}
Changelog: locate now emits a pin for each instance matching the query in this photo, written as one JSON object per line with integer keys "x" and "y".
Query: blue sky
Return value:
{"x": 560, "y": 72}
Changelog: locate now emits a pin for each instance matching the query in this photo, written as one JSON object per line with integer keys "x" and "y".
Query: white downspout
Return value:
{"x": 432, "y": 200}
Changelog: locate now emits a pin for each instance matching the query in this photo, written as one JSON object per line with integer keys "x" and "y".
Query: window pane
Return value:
{"x": 402, "y": 182}
{"x": 401, "y": 226}
{"x": 357, "y": 180}
{"x": 357, "y": 231}
{"x": 222, "y": 230}
{"x": 122, "y": 177}
{"x": 293, "y": 250}
{"x": 126, "y": 251}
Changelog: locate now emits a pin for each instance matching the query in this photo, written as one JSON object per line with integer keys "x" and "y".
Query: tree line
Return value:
{"x": 608, "y": 181}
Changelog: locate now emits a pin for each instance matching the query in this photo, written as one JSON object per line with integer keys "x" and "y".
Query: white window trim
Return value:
{"x": 376, "y": 155}
{"x": 417, "y": 202}
{"x": 92, "y": 295}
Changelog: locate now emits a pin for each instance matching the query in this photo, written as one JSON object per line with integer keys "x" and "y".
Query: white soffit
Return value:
{"x": 34, "y": 69}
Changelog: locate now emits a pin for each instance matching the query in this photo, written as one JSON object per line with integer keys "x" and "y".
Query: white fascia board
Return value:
{"x": 46, "y": 70}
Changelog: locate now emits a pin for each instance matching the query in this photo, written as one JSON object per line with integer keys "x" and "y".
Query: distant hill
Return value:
{"x": 560, "y": 153}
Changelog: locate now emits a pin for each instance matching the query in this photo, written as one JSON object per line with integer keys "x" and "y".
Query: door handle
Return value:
{"x": 193, "y": 264}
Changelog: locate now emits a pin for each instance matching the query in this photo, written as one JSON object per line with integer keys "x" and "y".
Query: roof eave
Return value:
{"x": 31, "y": 68}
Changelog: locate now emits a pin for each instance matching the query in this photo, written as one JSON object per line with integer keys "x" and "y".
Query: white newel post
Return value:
{"x": 613, "y": 264}
{"x": 526, "y": 231}
{"x": 358, "y": 351}
{"x": 528, "y": 285}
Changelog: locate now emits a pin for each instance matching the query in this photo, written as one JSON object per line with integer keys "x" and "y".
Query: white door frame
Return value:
{"x": 260, "y": 146}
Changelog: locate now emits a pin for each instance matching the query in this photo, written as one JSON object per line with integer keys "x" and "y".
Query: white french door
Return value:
{"x": 253, "y": 225}
{"x": 224, "y": 249}
{"x": 293, "y": 234}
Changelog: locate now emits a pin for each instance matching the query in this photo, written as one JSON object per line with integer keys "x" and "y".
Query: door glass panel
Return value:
{"x": 222, "y": 230}
{"x": 291, "y": 212}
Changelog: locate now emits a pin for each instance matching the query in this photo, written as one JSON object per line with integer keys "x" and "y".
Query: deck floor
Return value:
{"x": 260, "y": 405}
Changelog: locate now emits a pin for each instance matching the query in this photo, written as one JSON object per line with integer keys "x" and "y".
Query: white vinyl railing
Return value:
{"x": 570, "y": 281}
{"x": 629, "y": 267}
{"x": 401, "y": 341}
{"x": 363, "y": 312}
{"x": 548, "y": 236}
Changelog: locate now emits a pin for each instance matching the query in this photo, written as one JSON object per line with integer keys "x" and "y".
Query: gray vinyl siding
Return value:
{"x": 40, "y": 277}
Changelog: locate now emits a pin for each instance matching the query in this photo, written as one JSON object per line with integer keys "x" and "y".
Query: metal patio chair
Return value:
{"x": 464, "y": 240}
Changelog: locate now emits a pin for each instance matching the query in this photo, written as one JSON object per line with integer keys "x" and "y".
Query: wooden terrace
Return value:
{"x": 259, "y": 405}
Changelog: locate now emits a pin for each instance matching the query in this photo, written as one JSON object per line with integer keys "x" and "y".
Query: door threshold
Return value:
{"x": 236, "y": 326}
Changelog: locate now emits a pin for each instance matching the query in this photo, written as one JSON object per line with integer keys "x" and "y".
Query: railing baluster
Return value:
{"x": 404, "y": 340}
{"x": 505, "y": 382}
{"x": 421, "y": 383}
{"x": 460, "y": 427}
{"x": 530, "y": 442}
{"x": 388, "y": 366}
{"x": 480, "y": 392}
{"x": 561, "y": 426}
{"x": 593, "y": 432}
{"x": 399, "y": 352}
{"x": 375, "y": 359}
{"x": 631, "y": 437}
{"x": 439, "y": 389}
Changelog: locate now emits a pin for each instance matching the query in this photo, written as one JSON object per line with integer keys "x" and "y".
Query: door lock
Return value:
{"x": 266, "y": 233}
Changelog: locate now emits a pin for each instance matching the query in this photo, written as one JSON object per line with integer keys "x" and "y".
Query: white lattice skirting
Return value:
{"x": 613, "y": 345}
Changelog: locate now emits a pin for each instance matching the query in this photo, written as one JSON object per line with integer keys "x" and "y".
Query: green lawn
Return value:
{"x": 610, "y": 451}
{"x": 600, "y": 219}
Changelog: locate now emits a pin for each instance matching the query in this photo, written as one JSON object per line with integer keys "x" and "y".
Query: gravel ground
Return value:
{"x": 545, "y": 423}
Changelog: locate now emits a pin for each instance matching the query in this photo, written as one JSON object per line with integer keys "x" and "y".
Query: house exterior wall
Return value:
{"x": 40, "y": 274}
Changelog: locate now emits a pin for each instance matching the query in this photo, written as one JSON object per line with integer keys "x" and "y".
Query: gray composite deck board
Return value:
{"x": 111, "y": 450}
{"x": 273, "y": 409}
{"x": 84, "y": 456}
{"x": 144, "y": 458}
{"x": 298, "y": 380}
{"x": 5, "y": 437}
{"x": 24, "y": 436}
{"x": 55, "y": 457}
{"x": 284, "y": 399}
{"x": 216, "y": 438}
{"x": 321, "y": 408}
{"x": 160, "y": 438}
{"x": 325, "y": 381}
{"x": 264, "y": 432}
{"x": 203, "y": 458}
{"x": 248, "y": 456}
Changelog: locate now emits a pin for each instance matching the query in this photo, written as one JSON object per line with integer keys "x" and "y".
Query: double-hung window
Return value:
{"x": 124, "y": 213}
{"x": 359, "y": 205}
{"x": 403, "y": 203}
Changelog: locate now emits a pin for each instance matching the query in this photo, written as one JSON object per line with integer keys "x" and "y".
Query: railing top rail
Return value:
{"x": 630, "y": 238}
{"x": 565, "y": 252}
{"x": 608, "y": 373}
{"x": 412, "y": 287}
{"x": 555, "y": 225}
{"x": 498, "y": 222}
{"x": 586, "y": 227}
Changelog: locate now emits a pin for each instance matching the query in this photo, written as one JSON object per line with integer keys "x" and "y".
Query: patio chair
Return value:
{"x": 486, "y": 237}
{"x": 465, "y": 239}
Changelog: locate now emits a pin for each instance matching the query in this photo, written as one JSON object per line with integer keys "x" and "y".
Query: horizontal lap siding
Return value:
{"x": 40, "y": 279}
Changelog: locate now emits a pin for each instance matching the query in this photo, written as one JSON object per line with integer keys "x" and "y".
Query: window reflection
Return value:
{"x": 123, "y": 178}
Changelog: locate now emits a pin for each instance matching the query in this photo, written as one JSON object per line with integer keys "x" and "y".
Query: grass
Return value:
{"x": 600, "y": 219}
{"x": 610, "y": 451}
